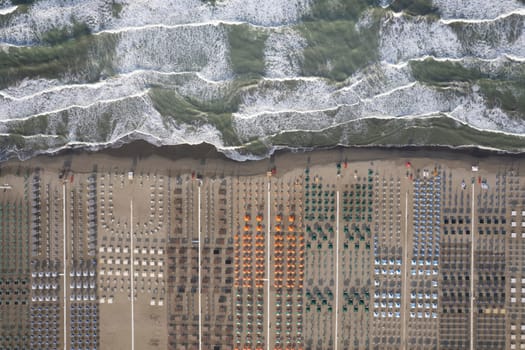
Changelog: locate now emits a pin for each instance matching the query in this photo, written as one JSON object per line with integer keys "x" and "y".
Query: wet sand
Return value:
{"x": 204, "y": 159}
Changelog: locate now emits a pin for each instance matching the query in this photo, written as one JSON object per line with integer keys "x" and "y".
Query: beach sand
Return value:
{"x": 302, "y": 247}
{"x": 205, "y": 160}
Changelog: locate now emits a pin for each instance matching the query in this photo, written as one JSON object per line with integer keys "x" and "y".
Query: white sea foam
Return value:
{"x": 17, "y": 103}
{"x": 408, "y": 37}
{"x": 203, "y": 49}
{"x": 291, "y": 95}
{"x": 98, "y": 14}
{"x": 518, "y": 12}
{"x": 7, "y": 10}
{"x": 403, "y": 38}
{"x": 284, "y": 54}
{"x": 476, "y": 9}
{"x": 43, "y": 15}
{"x": 182, "y": 45}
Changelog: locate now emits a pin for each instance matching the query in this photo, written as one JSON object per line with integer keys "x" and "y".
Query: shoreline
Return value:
{"x": 207, "y": 160}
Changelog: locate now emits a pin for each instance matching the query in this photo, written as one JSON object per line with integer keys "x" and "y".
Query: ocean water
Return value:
{"x": 253, "y": 76}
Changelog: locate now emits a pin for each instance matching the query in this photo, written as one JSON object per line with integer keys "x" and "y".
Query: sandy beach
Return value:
{"x": 207, "y": 161}
{"x": 182, "y": 248}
